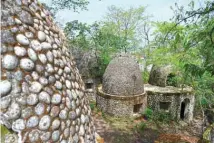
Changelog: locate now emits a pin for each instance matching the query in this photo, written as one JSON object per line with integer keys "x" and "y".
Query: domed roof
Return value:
{"x": 123, "y": 77}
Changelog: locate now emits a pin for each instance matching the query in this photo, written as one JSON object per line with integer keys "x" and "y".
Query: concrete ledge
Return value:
{"x": 119, "y": 97}
{"x": 168, "y": 90}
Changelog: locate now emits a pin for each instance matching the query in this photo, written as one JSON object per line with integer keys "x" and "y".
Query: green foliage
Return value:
{"x": 126, "y": 24}
{"x": 145, "y": 76}
{"x": 148, "y": 113}
{"x": 108, "y": 37}
{"x": 162, "y": 116}
{"x": 187, "y": 43}
{"x": 70, "y": 4}
{"x": 92, "y": 106}
{"x": 141, "y": 126}
{"x": 172, "y": 80}
{"x": 4, "y": 131}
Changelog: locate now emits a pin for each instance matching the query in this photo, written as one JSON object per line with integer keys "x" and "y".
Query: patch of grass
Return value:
{"x": 4, "y": 131}
{"x": 120, "y": 123}
{"x": 92, "y": 106}
{"x": 141, "y": 126}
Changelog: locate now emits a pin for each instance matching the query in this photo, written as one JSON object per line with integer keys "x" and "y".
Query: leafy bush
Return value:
{"x": 162, "y": 116}
{"x": 148, "y": 113}
{"x": 172, "y": 80}
{"x": 92, "y": 106}
{"x": 145, "y": 76}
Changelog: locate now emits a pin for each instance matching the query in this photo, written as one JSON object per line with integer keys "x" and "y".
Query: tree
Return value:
{"x": 201, "y": 31}
{"x": 95, "y": 37}
{"x": 126, "y": 25}
{"x": 75, "y": 5}
{"x": 56, "y": 5}
{"x": 187, "y": 43}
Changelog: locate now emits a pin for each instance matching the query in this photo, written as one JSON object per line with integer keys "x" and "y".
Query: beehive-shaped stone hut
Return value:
{"x": 122, "y": 91}
{"x": 176, "y": 101}
{"x": 42, "y": 93}
{"x": 88, "y": 67}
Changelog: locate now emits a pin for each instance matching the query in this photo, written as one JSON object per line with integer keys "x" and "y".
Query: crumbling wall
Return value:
{"x": 172, "y": 95}
{"x": 42, "y": 93}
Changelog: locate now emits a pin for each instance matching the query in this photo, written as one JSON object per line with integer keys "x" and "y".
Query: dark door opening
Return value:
{"x": 164, "y": 105}
{"x": 183, "y": 106}
{"x": 137, "y": 108}
{"x": 89, "y": 85}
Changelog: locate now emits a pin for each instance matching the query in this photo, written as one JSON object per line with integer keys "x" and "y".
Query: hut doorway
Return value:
{"x": 137, "y": 108}
{"x": 184, "y": 113}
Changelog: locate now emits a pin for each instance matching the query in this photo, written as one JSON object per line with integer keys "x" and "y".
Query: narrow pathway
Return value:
{"x": 103, "y": 128}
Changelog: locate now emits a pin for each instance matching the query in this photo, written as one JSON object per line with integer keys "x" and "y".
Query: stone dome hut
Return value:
{"x": 176, "y": 101}
{"x": 123, "y": 77}
{"x": 42, "y": 94}
{"x": 122, "y": 91}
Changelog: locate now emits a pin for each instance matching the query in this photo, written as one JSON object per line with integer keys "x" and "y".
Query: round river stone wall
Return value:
{"x": 42, "y": 93}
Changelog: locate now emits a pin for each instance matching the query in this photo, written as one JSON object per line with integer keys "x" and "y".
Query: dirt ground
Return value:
{"x": 126, "y": 130}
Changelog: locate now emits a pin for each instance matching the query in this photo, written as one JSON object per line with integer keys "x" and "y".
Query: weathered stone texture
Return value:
{"x": 123, "y": 77}
{"x": 122, "y": 91}
{"x": 158, "y": 75}
{"x": 120, "y": 106}
{"x": 42, "y": 93}
{"x": 174, "y": 96}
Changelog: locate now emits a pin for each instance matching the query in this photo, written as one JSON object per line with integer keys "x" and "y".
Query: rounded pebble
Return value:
{"x": 32, "y": 99}
{"x": 9, "y": 62}
{"x": 45, "y": 122}
{"x": 20, "y": 51}
{"x": 45, "y": 136}
{"x": 43, "y": 81}
{"x": 56, "y": 99}
{"x": 41, "y": 36}
{"x": 27, "y": 112}
{"x": 26, "y": 64}
{"x": 34, "y": 136}
{"x": 55, "y": 136}
{"x": 36, "y": 45}
{"x": 22, "y": 39}
{"x": 5, "y": 87}
{"x": 32, "y": 122}
{"x": 55, "y": 124}
{"x": 14, "y": 111}
{"x": 58, "y": 85}
{"x": 32, "y": 54}
{"x": 18, "y": 125}
{"x": 40, "y": 109}
{"x": 44, "y": 97}
{"x": 55, "y": 111}
{"x": 5, "y": 102}
{"x": 35, "y": 87}
{"x": 63, "y": 114}
{"x": 42, "y": 58}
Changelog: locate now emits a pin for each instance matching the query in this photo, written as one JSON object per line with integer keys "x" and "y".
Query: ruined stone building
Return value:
{"x": 88, "y": 67}
{"x": 178, "y": 102}
{"x": 122, "y": 92}
{"x": 42, "y": 93}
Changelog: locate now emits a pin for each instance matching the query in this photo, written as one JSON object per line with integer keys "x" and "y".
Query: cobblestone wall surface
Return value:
{"x": 42, "y": 93}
